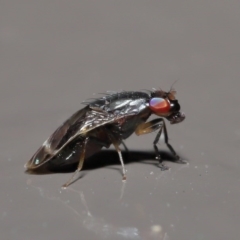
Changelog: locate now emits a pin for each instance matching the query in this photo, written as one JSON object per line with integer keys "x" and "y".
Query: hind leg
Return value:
{"x": 80, "y": 164}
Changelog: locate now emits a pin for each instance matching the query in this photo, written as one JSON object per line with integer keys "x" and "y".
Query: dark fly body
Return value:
{"x": 109, "y": 120}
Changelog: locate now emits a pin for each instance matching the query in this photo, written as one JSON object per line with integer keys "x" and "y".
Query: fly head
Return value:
{"x": 164, "y": 104}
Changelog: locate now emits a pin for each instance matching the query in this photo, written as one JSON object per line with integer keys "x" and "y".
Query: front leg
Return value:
{"x": 152, "y": 126}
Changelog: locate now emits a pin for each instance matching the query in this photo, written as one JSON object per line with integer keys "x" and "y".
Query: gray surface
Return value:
{"x": 55, "y": 54}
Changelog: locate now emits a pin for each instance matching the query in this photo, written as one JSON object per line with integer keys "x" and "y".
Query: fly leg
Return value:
{"x": 178, "y": 159}
{"x": 149, "y": 127}
{"x": 116, "y": 144}
{"x": 152, "y": 126}
{"x": 125, "y": 146}
{"x": 82, "y": 157}
{"x": 158, "y": 156}
{"x": 126, "y": 150}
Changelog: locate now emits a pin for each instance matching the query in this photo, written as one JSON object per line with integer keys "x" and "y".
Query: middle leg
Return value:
{"x": 116, "y": 142}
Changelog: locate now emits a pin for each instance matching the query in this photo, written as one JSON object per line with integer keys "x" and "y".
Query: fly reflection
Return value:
{"x": 98, "y": 225}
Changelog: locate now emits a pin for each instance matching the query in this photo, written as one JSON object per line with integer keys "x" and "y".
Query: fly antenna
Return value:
{"x": 172, "y": 92}
{"x": 171, "y": 88}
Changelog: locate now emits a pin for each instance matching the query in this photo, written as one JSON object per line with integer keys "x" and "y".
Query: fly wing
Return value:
{"x": 87, "y": 119}
{"x": 96, "y": 117}
{"x": 79, "y": 124}
{"x": 55, "y": 142}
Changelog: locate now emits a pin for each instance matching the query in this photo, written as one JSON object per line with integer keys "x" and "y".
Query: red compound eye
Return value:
{"x": 159, "y": 105}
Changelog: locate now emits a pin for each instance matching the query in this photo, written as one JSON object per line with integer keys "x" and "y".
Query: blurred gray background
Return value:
{"x": 55, "y": 54}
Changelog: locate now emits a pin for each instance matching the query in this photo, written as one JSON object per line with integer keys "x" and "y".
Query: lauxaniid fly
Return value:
{"x": 109, "y": 120}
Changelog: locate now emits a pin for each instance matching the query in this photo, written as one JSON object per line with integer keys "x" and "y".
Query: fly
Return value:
{"x": 109, "y": 120}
